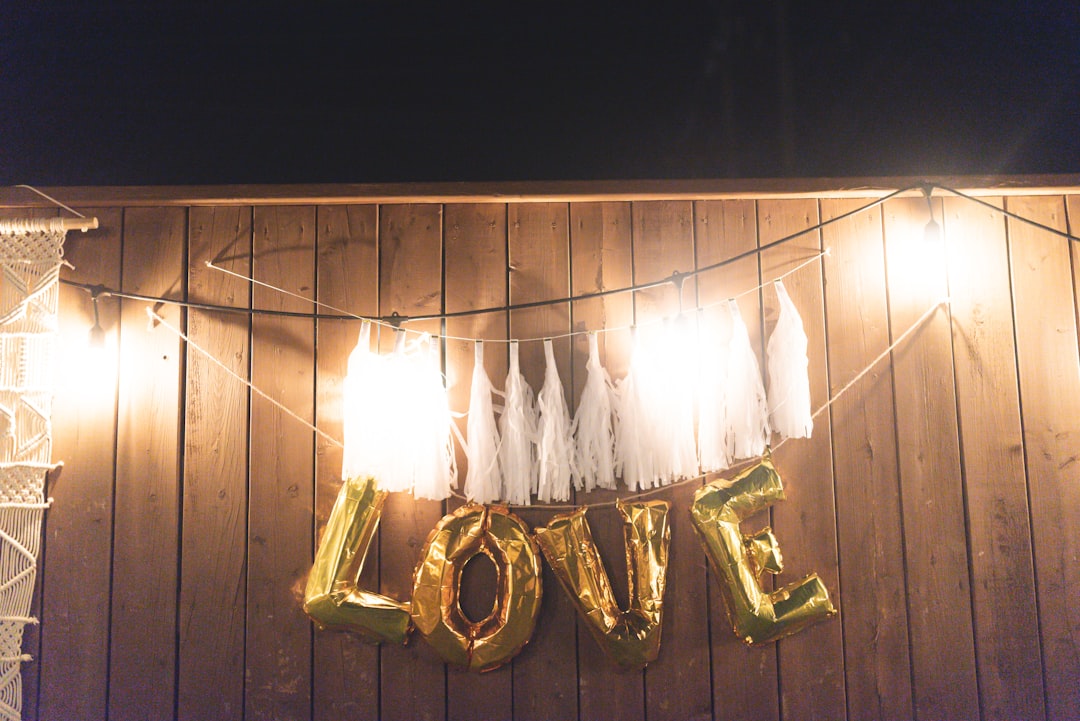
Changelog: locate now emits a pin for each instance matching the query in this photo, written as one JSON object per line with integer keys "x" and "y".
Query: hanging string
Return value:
{"x": 274, "y": 402}
{"x": 51, "y": 200}
{"x": 565, "y": 507}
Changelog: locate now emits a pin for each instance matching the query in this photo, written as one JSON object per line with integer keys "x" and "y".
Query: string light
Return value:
{"x": 97, "y": 333}
{"x": 932, "y": 231}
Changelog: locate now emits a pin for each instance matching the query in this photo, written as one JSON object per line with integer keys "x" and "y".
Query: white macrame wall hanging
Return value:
{"x": 31, "y": 253}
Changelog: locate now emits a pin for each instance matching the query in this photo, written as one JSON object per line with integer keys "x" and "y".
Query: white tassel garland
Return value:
{"x": 745, "y": 408}
{"x": 556, "y": 446}
{"x": 674, "y": 392}
{"x": 359, "y": 390}
{"x": 789, "y": 380}
{"x": 483, "y": 481}
{"x": 634, "y": 450}
{"x": 592, "y": 429}
{"x": 434, "y": 472}
{"x": 518, "y": 427}
{"x": 714, "y": 453}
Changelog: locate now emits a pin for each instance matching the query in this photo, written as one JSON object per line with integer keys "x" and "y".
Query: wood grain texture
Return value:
{"x": 346, "y": 673}
{"x": 280, "y": 506}
{"x": 677, "y": 683}
{"x": 413, "y": 679}
{"x": 545, "y": 673}
{"x": 931, "y": 489}
{"x": 143, "y": 620}
{"x": 475, "y": 278}
{"x": 811, "y": 663}
{"x": 213, "y": 551}
{"x": 999, "y": 535}
{"x": 75, "y": 571}
{"x": 1046, "y": 343}
{"x": 877, "y": 668}
{"x": 744, "y": 679}
{"x": 601, "y": 257}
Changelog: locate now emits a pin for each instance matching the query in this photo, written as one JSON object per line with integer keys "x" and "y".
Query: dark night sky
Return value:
{"x": 139, "y": 93}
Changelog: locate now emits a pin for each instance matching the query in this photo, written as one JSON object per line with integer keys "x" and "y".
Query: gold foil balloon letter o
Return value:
{"x": 739, "y": 561}
{"x": 630, "y": 638}
{"x": 436, "y": 611}
{"x": 331, "y": 597}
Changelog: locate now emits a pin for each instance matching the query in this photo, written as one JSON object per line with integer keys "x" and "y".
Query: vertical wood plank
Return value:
{"x": 1044, "y": 301}
{"x": 601, "y": 258}
{"x": 346, "y": 674}
{"x": 992, "y": 454}
{"x": 145, "y": 554}
{"x": 546, "y": 671}
{"x": 743, "y": 678}
{"x": 475, "y": 278}
{"x": 281, "y": 497}
{"x": 413, "y": 679}
{"x": 877, "y": 667}
{"x": 78, "y": 526}
{"x": 677, "y": 684}
{"x": 935, "y": 543}
{"x": 213, "y": 549}
{"x": 811, "y": 663}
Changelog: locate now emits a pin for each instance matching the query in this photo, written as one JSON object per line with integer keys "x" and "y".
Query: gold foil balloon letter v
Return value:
{"x": 739, "y": 561}
{"x": 630, "y": 638}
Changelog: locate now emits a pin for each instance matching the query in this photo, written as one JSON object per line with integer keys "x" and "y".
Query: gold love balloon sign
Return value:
{"x": 502, "y": 537}
{"x": 630, "y": 638}
{"x": 738, "y": 560}
{"x": 331, "y": 597}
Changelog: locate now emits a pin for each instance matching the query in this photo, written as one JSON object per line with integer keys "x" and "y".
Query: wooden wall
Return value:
{"x": 939, "y": 499}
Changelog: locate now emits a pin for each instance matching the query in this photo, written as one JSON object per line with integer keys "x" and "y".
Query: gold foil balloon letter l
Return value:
{"x": 331, "y": 597}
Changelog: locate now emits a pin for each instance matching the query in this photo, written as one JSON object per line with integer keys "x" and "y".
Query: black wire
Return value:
{"x": 1010, "y": 214}
{"x": 396, "y": 320}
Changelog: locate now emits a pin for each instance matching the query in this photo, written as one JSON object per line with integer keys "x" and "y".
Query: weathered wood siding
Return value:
{"x": 939, "y": 499}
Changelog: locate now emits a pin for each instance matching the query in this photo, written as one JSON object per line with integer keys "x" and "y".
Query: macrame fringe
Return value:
{"x": 518, "y": 427}
{"x": 556, "y": 446}
{"x": 593, "y": 433}
{"x": 745, "y": 408}
{"x": 483, "y": 480}
{"x": 789, "y": 379}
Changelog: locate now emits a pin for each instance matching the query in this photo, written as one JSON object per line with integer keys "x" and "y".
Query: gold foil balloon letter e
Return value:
{"x": 436, "y": 612}
{"x": 630, "y": 638}
{"x": 739, "y": 560}
{"x": 331, "y": 597}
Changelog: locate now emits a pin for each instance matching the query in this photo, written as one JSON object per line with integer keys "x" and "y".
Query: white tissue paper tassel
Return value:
{"x": 393, "y": 399}
{"x": 594, "y": 450}
{"x": 745, "y": 409}
{"x": 434, "y": 472}
{"x": 789, "y": 379}
{"x": 634, "y": 461}
{"x": 518, "y": 428}
{"x": 483, "y": 481}
{"x": 675, "y": 383}
{"x": 361, "y": 403}
{"x": 712, "y": 443}
{"x": 556, "y": 446}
